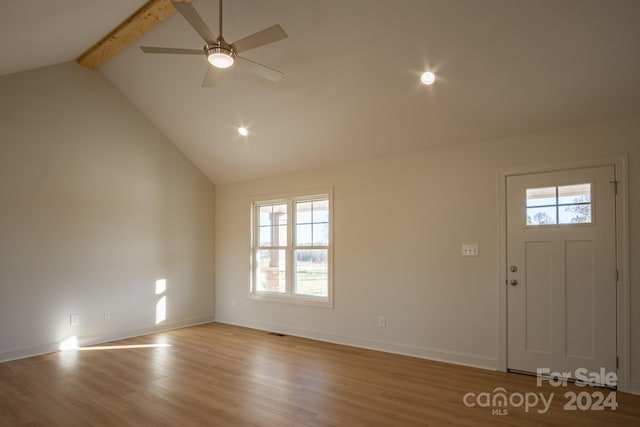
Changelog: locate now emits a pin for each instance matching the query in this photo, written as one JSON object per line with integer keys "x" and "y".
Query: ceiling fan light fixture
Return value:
{"x": 221, "y": 57}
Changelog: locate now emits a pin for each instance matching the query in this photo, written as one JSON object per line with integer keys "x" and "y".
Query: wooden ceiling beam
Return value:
{"x": 147, "y": 17}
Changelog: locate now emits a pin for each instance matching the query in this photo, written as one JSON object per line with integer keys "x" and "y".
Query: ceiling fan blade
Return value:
{"x": 260, "y": 70}
{"x": 266, "y": 36}
{"x": 210, "y": 77}
{"x": 151, "y": 49}
{"x": 192, "y": 17}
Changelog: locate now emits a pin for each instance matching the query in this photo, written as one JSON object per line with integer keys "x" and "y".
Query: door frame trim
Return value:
{"x": 623, "y": 318}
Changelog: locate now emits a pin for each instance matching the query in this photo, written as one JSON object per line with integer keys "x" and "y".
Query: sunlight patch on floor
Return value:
{"x": 71, "y": 343}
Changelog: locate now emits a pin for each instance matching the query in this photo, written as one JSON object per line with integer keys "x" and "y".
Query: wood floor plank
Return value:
{"x": 223, "y": 375}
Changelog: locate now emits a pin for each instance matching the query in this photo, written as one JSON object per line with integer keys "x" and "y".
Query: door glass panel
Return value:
{"x": 563, "y": 205}
{"x": 545, "y": 215}
{"x": 575, "y": 214}
{"x": 541, "y": 196}
{"x": 569, "y": 194}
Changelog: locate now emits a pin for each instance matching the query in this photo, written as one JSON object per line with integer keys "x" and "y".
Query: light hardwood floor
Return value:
{"x": 222, "y": 375}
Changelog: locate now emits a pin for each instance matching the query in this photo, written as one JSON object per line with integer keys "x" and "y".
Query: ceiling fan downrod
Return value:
{"x": 220, "y": 19}
{"x": 222, "y": 54}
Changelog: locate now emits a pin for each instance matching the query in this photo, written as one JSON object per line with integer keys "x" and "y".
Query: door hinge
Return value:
{"x": 617, "y": 362}
{"x": 615, "y": 184}
{"x": 617, "y": 276}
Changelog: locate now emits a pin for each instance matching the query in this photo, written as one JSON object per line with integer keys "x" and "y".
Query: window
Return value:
{"x": 568, "y": 204}
{"x": 291, "y": 249}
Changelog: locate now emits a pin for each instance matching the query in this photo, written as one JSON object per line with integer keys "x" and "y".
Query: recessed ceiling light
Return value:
{"x": 243, "y": 131}
{"x": 427, "y": 78}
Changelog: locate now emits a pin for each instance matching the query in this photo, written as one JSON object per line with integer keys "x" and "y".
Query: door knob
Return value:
{"x": 513, "y": 282}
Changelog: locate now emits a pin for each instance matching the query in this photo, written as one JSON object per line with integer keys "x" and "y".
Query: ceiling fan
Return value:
{"x": 221, "y": 54}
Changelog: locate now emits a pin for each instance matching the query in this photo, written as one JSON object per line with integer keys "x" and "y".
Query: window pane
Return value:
{"x": 303, "y": 235}
{"x": 575, "y": 214}
{"x": 541, "y": 216}
{"x": 541, "y": 196}
{"x": 570, "y": 194}
{"x": 320, "y": 234}
{"x": 312, "y": 272}
{"x": 270, "y": 270}
{"x": 321, "y": 211}
{"x": 280, "y": 236}
{"x": 273, "y": 236}
{"x": 279, "y": 215}
{"x": 303, "y": 213}
{"x": 265, "y": 236}
{"x": 265, "y": 215}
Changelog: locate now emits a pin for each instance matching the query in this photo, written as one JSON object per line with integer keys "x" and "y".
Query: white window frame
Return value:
{"x": 290, "y": 296}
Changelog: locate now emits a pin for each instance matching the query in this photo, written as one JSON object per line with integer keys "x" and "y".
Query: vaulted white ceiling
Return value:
{"x": 351, "y": 88}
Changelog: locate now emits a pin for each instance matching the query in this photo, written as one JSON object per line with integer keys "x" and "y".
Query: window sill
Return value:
{"x": 293, "y": 299}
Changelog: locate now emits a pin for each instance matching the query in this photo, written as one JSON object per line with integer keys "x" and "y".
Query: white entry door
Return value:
{"x": 561, "y": 283}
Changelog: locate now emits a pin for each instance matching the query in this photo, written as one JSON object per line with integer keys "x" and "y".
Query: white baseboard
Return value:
{"x": 635, "y": 386}
{"x": 431, "y": 353}
{"x": 52, "y": 347}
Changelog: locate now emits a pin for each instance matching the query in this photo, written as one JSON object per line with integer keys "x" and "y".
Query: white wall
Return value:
{"x": 399, "y": 223}
{"x": 95, "y": 206}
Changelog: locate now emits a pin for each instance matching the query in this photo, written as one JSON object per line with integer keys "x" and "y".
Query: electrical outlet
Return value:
{"x": 74, "y": 319}
{"x": 107, "y": 315}
{"x": 382, "y": 322}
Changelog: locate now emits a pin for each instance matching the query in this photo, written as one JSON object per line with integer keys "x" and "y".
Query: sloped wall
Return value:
{"x": 96, "y": 205}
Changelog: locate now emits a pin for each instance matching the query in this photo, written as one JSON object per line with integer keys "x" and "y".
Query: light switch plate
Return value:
{"x": 470, "y": 249}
